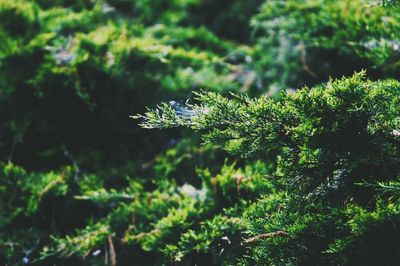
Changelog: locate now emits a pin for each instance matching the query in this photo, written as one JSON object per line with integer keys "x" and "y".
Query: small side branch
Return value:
{"x": 265, "y": 236}
{"x": 303, "y": 59}
{"x": 113, "y": 257}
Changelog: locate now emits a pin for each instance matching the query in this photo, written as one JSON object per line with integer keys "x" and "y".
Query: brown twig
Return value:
{"x": 303, "y": 59}
{"x": 265, "y": 236}
{"x": 113, "y": 256}
{"x": 239, "y": 179}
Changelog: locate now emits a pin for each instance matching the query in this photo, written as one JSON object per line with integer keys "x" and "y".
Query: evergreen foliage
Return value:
{"x": 328, "y": 140}
{"x": 296, "y": 103}
{"x": 305, "y": 42}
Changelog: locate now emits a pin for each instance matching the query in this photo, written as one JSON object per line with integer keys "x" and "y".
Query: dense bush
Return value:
{"x": 306, "y": 42}
{"x": 331, "y": 141}
{"x": 76, "y": 74}
{"x": 299, "y": 166}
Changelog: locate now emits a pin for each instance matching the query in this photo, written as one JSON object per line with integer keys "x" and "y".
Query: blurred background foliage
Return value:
{"x": 81, "y": 184}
